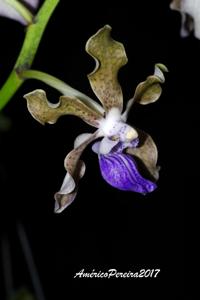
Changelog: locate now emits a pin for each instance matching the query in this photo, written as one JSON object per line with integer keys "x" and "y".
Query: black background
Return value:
{"x": 104, "y": 228}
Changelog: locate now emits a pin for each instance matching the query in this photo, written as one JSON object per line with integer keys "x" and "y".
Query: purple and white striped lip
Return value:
{"x": 120, "y": 171}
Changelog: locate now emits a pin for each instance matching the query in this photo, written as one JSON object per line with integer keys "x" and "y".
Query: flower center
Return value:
{"x": 114, "y": 128}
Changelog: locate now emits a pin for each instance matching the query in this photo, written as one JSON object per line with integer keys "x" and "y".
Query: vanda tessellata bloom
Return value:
{"x": 127, "y": 156}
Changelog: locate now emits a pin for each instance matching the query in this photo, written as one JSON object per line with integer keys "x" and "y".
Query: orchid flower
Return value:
{"x": 123, "y": 151}
{"x": 18, "y": 10}
{"x": 190, "y": 14}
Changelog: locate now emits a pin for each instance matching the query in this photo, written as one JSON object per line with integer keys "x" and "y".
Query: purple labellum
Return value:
{"x": 120, "y": 171}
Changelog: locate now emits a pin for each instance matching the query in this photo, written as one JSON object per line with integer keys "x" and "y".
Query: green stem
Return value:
{"x": 9, "y": 89}
{"x": 21, "y": 9}
{"x": 29, "y": 48}
{"x": 60, "y": 86}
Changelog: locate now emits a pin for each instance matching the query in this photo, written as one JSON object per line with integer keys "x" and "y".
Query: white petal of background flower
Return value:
{"x": 9, "y": 12}
{"x": 192, "y": 7}
{"x": 32, "y": 3}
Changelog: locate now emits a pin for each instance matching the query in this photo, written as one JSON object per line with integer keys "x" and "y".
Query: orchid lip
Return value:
{"x": 120, "y": 171}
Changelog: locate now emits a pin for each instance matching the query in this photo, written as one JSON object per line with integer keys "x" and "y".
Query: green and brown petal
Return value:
{"x": 147, "y": 153}
{"x": 73, "y": 157}
{"x": 75, "y": 170}
{"x": 149, "y": 90}
{"x": 65, "y": 197}
{"x": 110, "y": 56}
{"x": 46, "y": 112}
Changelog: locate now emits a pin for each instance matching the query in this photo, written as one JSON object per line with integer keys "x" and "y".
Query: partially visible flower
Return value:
{"x": 18, "y": 10}
{"x": 127, "y": 156}
{"x": 190, "y": 16}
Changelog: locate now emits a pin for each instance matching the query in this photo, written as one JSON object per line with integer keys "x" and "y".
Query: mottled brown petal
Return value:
{"x": 110, "y": 56}
{"x": 149, "y": 90}
{"x": 45, "y": 112}
{"x": 147, "y": 153}
{"x": 68, "y": 190}
{"x": 75, "y": 170}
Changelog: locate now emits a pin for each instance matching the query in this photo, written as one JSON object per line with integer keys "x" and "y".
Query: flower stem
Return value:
{"x": 29, "y": 48}
{"x": 21, "y": 9}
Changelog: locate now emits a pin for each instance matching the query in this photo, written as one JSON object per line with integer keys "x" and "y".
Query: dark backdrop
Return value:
{"x": 104, "y": 228}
